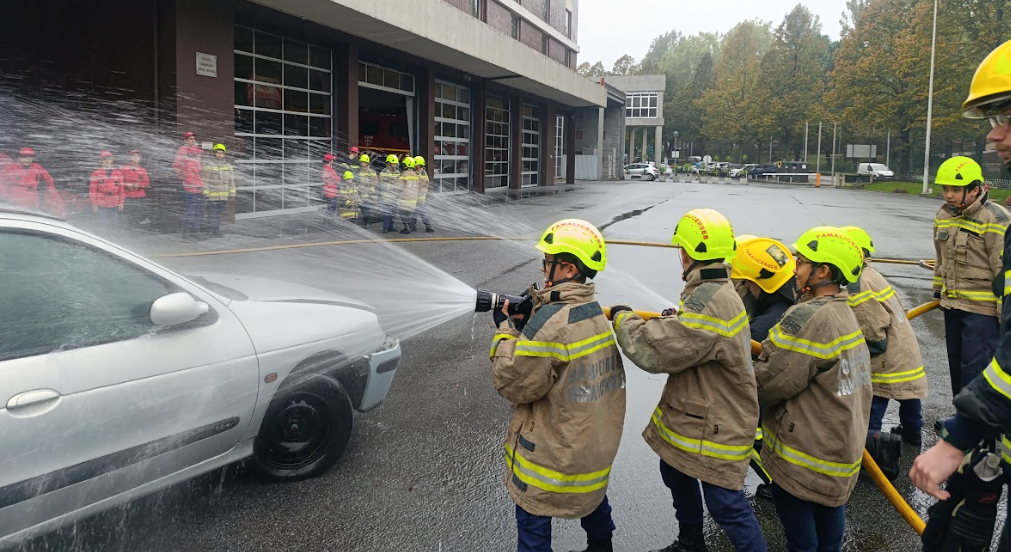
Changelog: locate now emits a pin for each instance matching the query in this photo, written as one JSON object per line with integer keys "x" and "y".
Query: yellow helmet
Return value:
{"x": 348, "y": 175}
{"x": 860, "y": 236}
{"x": 578, "y": 238}
{"x": 419, "y": 161}
{"x": 705, "y": 235}
{"x": 743, "y": 239}
{"x": 832, "y": 246}
{"x": 219, "y": 147}
{"x": 959, "y": 171}
{"x": 765, "y": 261}
{"x": 392, "y": 159}
{"x": 408, "y": 161}
{"x": 990, "y": 85}
{"x": 365, "y": 159}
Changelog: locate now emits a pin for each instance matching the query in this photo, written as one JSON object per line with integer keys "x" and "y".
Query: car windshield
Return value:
{"x": 879, "y": 167}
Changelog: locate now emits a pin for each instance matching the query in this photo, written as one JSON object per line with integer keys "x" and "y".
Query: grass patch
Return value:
{"x": 914, "y": 188}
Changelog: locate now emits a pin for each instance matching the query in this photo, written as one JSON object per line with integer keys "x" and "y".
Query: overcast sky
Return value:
{"x": 609, "y": 29}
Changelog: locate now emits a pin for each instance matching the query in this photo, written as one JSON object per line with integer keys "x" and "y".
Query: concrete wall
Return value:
{"x": 639, "y": 83}
{"x": 499, "y": 18}
{"x": 587, "y": 121}
{"x": 613, "y": 148}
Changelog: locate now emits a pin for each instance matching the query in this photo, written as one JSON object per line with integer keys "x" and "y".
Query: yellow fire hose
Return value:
{"x": 893, "y": 496}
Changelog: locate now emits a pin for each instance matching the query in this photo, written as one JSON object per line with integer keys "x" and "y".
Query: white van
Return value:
{"x": 876, "y": 170}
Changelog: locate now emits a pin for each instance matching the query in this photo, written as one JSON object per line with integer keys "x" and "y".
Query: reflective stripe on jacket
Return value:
{"x": 814, "y": 378}
{"x": 423, "y": 184}
{"x": 896, "y": 366}
{"x": 389, "y": 185}
{"x": 565, "y": 378}
{"x": 968, "y": 249}
{"x": 704, "y": 425}
{"x": 219, "y": 180}
{"x": 408, "y": 196}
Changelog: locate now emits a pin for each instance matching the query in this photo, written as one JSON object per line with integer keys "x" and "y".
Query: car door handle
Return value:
{"x": 30, "y": 398}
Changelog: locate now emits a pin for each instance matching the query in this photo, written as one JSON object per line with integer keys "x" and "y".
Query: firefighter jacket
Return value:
{"x": 191, "y": 172}
{"x": 106, "y": 188}
{"x": 896, "y": 366}
{"x": 423, "y": 184}
{"x": 20, "y": 184}
{"x": 136, "y": 180}
{"x": 705, "y": 423}
{"x": 983, "y": 408}
{"x": 219, "y": 180}
{"x": 408, "y": 197}
{"x": 389, "y": 186}
{"x": 331, "y": 182}
{"x": 814, "y": 379}
{"x": 968, "y": 249}
{"x": 564, "y": 376}
{"x": 368, "y": 183}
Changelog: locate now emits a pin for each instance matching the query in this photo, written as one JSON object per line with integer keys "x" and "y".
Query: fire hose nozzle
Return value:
{"x": 489, "y": 300}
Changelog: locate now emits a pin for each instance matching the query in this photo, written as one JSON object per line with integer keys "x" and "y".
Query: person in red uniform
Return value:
{"x": 22, "y": 181}
{"x": 193, "y": 193}
{"x": 331, "y": 185}
{"x": 189, "y": 141}
{"x": 107, "y": 192}
{"x": 136, "y": 181}
{"x": 5, "y": 161}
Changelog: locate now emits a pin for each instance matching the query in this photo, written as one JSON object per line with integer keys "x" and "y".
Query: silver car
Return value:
{"x": 120, "y": 377}
{"x": 642, "y": 170}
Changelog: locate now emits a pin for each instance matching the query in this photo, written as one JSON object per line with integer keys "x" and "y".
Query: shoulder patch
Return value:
{"x": 795, "y": 319}
{"x": 998, "y": 212}
{"x": 585, "y": 312}
{"x": 539, "y": 318}
{"x": 696, "y": 302}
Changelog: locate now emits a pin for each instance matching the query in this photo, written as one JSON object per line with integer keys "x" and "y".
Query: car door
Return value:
{"x": 96, "y": 400}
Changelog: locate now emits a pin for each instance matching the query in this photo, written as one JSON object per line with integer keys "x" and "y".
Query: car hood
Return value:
{"x": 237, "y": 287}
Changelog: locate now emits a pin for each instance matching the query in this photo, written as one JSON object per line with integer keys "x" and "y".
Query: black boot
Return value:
{"x": 597, "y": 546}
{"x": 690, "y": 539}
{"x": 885, "y": 449}
{"x": 908, "y": 436}
{"x": 429, "y": 229}
{"x": 406, "y": 230}
{"x": 764, "y": 491}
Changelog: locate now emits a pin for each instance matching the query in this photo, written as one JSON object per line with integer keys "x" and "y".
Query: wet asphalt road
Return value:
{"x": 424, "y": 472}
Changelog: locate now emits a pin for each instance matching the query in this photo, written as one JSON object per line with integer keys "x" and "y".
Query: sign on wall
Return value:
{"x": 207, "y": 65}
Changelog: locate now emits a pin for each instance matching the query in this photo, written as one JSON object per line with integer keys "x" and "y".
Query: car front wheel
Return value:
{"x": 652, "y": 177}
{"x": 305, "y": 430}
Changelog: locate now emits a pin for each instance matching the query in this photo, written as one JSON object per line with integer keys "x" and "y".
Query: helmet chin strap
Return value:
{"x": 553, "y": 283}
{"x": 695, "y": 264}
{"x": 808, "y": 287}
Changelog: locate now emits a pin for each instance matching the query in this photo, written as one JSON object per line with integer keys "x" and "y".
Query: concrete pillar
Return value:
{"x": 477, "y": 137}
{"x": 548, "y": 115}
{"x": 516, "y": 142}
{"x": 645, "y": 144}
{"x": 599, "y": 149}
{"x": 205, "y": 27}
{"x": 570, "y": 148}
{"x": 631, "y": 145}
{"x": 346, "y": 96}
{"x": 657, "y": 149}
{"x": 426, "y": 115}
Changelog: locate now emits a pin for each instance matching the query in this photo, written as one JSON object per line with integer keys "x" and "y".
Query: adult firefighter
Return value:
{"x": 983, "y": 407}
{"x": 388, "y": 187}
{"x": 423, "y": 189}
{"x": 704, "y": 426}
{"x": 368, "y": 190}
{"x": 407, "y": 198}
{"x": 562, "y": 371}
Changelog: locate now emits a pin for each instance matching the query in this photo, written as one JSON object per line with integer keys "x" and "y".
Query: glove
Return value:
{"x": 937, "y": 294}
{"x": 965, "y": 522}
{"x": 669, "y": 312}
{"x": 522, "y": 322}
{"x": 499, "y": 317}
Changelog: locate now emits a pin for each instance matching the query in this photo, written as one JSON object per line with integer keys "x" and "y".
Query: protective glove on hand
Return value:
{"x": 499, "y": 317}
{"x": 937, "y": 295}
{"x": 669, "y": 312}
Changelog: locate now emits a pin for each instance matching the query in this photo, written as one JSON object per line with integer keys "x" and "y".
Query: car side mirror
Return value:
{"x": 175, "y": 309}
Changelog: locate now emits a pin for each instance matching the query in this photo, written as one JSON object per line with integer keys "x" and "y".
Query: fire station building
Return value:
{"x": 485, "y": 90}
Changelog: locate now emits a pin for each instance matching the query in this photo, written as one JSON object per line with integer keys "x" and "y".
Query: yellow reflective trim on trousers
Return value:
{"x": 699, "y": 446}
{"x": 726, "y": 328}
{"x": 998, "y": 379}
{"x": 898, "y": 377}
{"x": 804, "y": 460}
{"x": 823, "y": 351}
{"x": 983, "y": 296}
{"x": 551, "y": 480}
{"x": 498, "y": 339}
{"x": 564, "y": 352}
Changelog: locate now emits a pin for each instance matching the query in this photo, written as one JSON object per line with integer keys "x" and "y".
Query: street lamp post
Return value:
{"x": 676, "y": 134}
{"x": 770, "y": 150}
{"x": 930, "y": 104}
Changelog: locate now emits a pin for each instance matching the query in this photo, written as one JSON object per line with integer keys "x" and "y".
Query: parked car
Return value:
{"x": 742, "y": 170}
{"x": 877, "y": 171}
{"x": 642, "y": 170}
{"x": 761, "y": 170}
{"x": 121, "y": 377}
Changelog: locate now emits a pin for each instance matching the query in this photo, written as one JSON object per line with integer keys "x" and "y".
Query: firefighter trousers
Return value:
{"x": 809, "y": 527}
{"x": 534, "y": 532}
{"x": 972, "y": 340}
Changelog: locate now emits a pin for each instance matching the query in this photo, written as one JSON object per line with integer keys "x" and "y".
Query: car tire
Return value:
{"x": 651, "y": 177}
{"x": 306, "y": 429}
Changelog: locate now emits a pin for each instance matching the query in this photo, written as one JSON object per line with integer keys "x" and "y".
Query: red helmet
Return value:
{"x": 354, "y": 149}
{"x": 329, "y": 157}
{"x": 26, "y": 152}
{"x": 188, "y": 135}
{"x": 105, "y": 154}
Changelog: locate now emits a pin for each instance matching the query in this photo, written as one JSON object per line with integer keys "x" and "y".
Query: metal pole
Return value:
{"x": 817, "y": 162}
{"x": 806, "y": 125}
{"x": 833, "y": 151}
{"x": 770, "y": 149}
{"x": 930, "y": 105}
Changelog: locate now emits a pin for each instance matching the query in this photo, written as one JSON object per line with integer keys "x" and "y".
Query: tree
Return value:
{"x": 594, "y": 71}
{"x": 624, "y": 65}
{"x": 685, "y": 106}
{"x": 658, "y": 48}
{"x": 849, "y": 17}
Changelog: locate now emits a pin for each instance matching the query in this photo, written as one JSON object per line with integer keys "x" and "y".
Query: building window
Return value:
{"x": 560, "y": 147}
{"x": 496, "y": 151}
{"x": 568, "y": 57}
{"x": 475, "y": 8}
{"x": 516, "y": 27}
{"x": 383, "y": 78}
{"x": 642, "y": 104}
{"x": 452, "y": 138}
{"x": 283, "y": 121}
{"x": 568, "y": 23}
{"x": 545, "y": 44}
{"x": 531, "y": 158}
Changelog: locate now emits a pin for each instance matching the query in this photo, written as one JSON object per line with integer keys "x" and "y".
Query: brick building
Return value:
{"x": 486, "y": 90}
